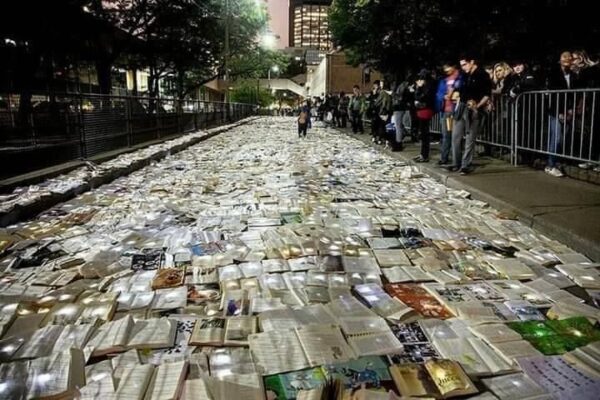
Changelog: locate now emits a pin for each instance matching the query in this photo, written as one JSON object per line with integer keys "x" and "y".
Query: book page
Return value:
{"x": 168, "y": 381}
{"x": 379, "y": 343}
{"x": 56, "y": 374}
{"x": 41, "y": 343}
{"x": 134, "y": 382}
{"x": 277, "y": 351}
{"x": 237, "y": 329}
{"x": 74, "y": 336}
{"x": 195, "y": 389}
{"x": 153, "y": 333}
{"x": 495, "y": 333}
{"x": 513, "y": 387}
{"x": 462, "y": 351}
{"x": 510, "y": 351}
{"x": 230, "y": 361}
{"x": 247, "y": 387}
{"x": 495, "y": 363}
{"x": 555, "y": 375}
{"x": 208, "y": 331}
{"x": 324, "y": 344}
{"x": 112, "y": 336}
{"x": 361, "y": 325}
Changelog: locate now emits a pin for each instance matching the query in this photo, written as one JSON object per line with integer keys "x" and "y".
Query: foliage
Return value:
{"x": 396, "y": 35}
{"x": 248, "y": 91}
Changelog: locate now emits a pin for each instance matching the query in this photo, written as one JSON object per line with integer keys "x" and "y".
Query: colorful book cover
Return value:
{"x": 286, "y": 386}
{"x": 415, "y": 353}
{"x": 409, "y": 333}
{"x": 372, "y": 371}
{"x": 414, "y": 296}
{"x": 557, "y": 336}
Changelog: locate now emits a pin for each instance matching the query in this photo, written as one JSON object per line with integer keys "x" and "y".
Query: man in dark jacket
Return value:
{"x": 470, "y": 113}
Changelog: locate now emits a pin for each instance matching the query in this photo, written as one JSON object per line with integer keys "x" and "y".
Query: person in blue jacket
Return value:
{"x": 447, "y": 96}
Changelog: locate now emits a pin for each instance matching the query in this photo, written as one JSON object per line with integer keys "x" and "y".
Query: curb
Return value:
{"x": 556, "y": 231}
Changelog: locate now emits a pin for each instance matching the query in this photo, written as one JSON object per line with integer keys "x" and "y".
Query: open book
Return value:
{"x": 155, "y": 333}
{"x": 435, "y": 378}
{"x": 219, "y": 331}
{"x": 476, "y": 357}
{"x": 289, "y": 350}
{"x": 57, "y": 376}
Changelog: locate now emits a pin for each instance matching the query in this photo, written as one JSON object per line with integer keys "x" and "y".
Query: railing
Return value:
{"x": 66, "y": 127}
{"x": 563, "y": 124}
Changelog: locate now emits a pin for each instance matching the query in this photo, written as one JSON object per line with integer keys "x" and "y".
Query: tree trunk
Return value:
{"x": 103, "y": 69}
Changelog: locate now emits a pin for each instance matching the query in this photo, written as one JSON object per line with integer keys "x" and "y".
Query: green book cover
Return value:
{"x": 371, "y": 370}
{"x": 286, "y": 386}
{"x": 291, "y": 217}
{"x": 553, "y": 337}
{"x": 532, "y": 330}
{"x": 578, "y": 328}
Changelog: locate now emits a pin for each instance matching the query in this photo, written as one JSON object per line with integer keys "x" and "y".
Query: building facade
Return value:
{"x": 309, "y": 26}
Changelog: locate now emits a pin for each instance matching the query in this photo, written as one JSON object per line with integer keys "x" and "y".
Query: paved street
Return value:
{"x": 314, "y": 252}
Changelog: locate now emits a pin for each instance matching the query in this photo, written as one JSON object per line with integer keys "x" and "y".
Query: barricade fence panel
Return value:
{"x": 564, "y": 124}
{"x": 49, "y": 129}
{"x": 559, "y": 123}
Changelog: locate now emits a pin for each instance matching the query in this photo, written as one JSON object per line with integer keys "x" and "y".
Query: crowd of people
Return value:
{"x": 463, "y": 95}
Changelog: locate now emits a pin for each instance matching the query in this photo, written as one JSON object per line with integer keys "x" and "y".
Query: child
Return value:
{"x": 303, "y": 120}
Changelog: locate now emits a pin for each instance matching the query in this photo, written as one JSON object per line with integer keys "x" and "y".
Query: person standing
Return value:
{"x": 303, "y": 121}
{"x": 401, "y": 110}
{"x": 382, "y": 112}
{"x": 356, "y": 108}
{"x": 424, "y": 104}
{"x": 469, "y": 114}
{"x": 446, "y": 99}
{"x": 343, "y": 110}
{"x": 560, "y": 109}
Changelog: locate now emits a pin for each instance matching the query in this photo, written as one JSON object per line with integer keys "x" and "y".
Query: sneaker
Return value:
{"x": 554, "y": 172}
{"x": 586, "y": 165}
{"x": 420, "y": 159}
{"x": 442, "y": 162}
{"x": 373, "y": 139}
{"x": 596, "y": 169}
{"x": 464, "y": 171}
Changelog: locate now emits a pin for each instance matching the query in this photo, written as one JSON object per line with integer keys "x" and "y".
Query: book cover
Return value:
{"x": 417, "y": 298}
{"x": 199, "y": 294}
{"x": 286, "y": 386}
{"x": 370, "y": 370}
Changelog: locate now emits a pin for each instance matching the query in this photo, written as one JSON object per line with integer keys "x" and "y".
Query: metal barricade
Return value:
{"x": 49, "y": 129}
{"x": 560, "y": 124}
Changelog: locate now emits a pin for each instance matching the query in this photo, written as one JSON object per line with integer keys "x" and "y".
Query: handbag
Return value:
{"x": 425, "y": 113}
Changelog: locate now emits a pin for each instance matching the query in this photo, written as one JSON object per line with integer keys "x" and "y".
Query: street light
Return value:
{"x": 274, "y": 68}
{"x": 269, "y": 41}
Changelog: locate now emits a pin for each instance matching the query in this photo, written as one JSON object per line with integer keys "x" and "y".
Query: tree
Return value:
{"x": 247, "y": 91}
{"x": 396, "y": 35}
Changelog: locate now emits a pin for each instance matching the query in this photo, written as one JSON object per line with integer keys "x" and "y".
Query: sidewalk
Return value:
{"x": 565, "y": 209}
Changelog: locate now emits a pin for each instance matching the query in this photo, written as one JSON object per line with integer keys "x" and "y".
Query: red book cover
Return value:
{"x": 414, "y": 296}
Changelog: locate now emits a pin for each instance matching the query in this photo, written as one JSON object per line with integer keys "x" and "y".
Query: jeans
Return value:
{"x": 468, "y": 125}
{"x": 302, "y": 129}
{"x": 556, "y": 129}
{"x": 397, "y": 119}
{"x": 356, "y": 121}
{"x": 425, "y": 137}
{"x": 446, "y": 138}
